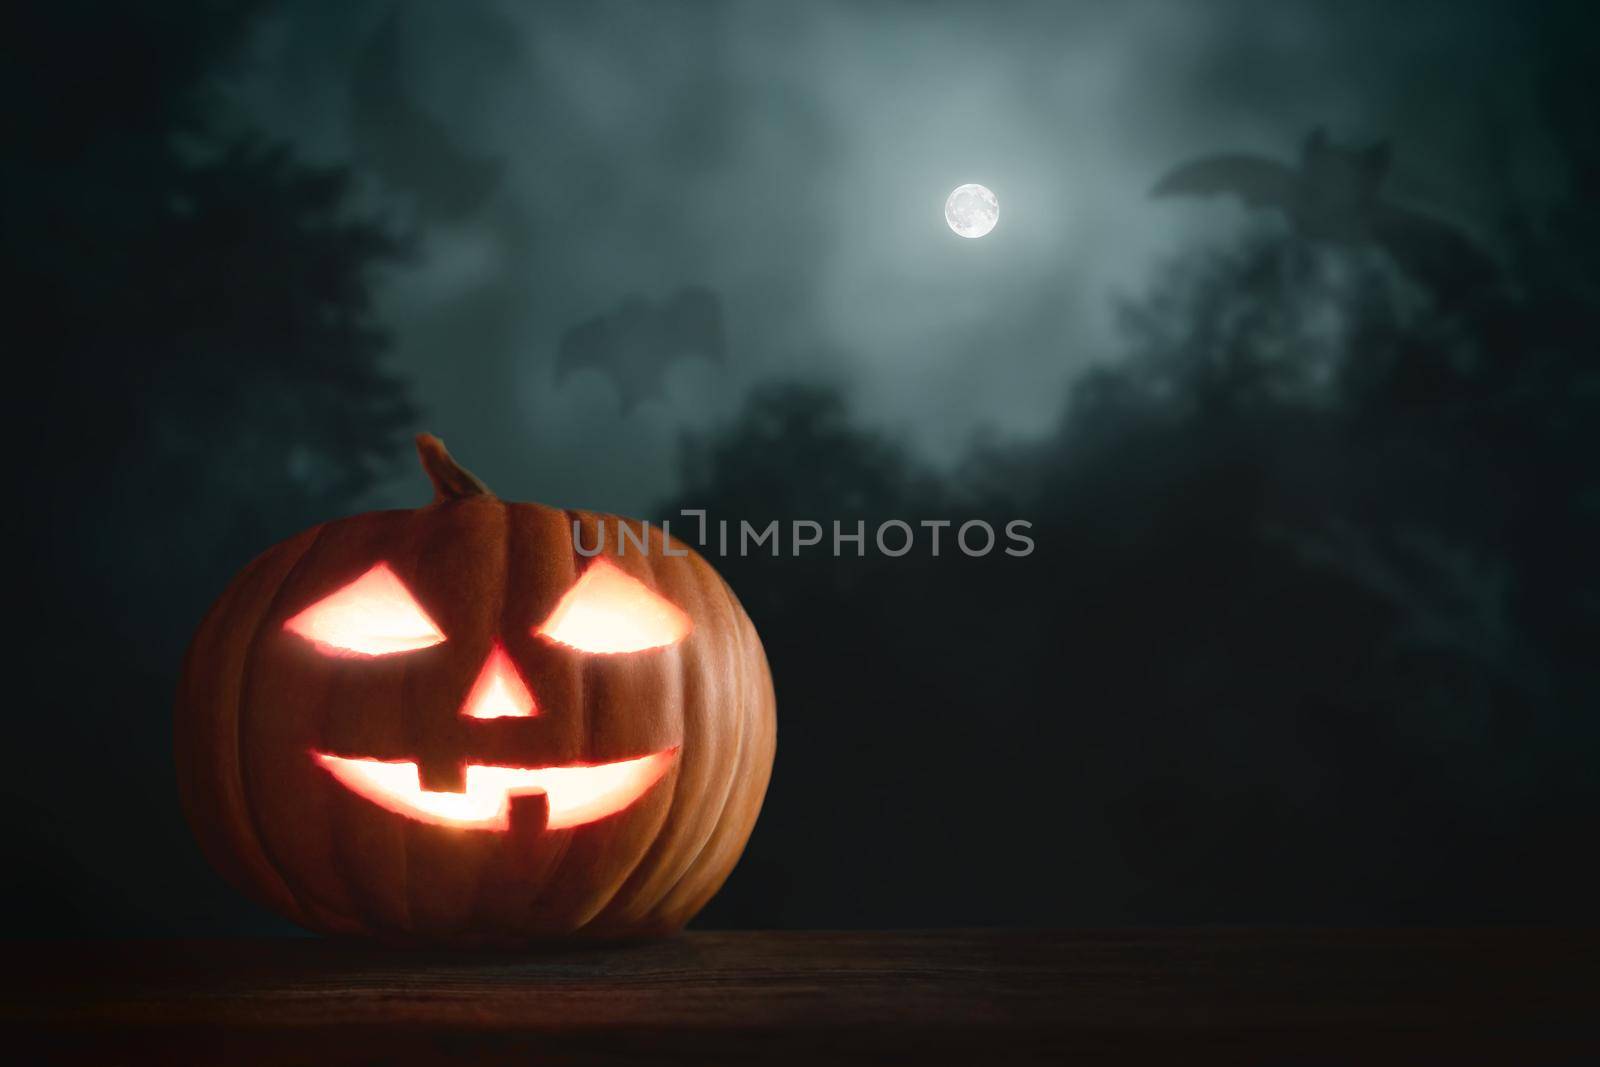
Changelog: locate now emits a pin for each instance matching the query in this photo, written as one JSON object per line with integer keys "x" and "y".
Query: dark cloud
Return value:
{"x": 411, "y": 151}
{"x": 794, "y": 159}
{"x": 634, "y": 346}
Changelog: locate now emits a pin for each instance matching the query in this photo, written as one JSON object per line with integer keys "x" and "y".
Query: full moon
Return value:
{"x": 972, "y": 210}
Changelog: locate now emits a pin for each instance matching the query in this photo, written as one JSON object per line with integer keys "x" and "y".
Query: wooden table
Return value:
{"x": 1242, "y": 997}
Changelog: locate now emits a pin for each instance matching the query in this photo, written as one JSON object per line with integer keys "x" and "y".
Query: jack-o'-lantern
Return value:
{"x": 452, "y": 726}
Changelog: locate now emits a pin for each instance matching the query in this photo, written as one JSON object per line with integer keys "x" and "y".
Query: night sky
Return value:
{"x": 794, "y": 158}
{"x": 1308, "y": 633}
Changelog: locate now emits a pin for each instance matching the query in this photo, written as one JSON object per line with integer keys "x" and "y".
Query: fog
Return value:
{"x": 794, "y": 159}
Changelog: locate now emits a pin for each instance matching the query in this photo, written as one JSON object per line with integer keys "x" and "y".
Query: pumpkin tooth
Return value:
{"x": 574, "y": 794}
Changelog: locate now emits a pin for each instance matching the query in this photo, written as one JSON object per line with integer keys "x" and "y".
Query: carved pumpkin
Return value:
{"x": 448, "y": 726}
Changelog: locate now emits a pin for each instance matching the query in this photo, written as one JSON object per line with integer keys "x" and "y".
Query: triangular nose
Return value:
{"x": 499, "y": 691}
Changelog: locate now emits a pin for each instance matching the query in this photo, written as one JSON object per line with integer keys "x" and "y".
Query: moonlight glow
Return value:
{"x": 972, "y": 210}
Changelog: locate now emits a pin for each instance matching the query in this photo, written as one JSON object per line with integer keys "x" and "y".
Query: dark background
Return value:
{"x": 1309, "y": 634}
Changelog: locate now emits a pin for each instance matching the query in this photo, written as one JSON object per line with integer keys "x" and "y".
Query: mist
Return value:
{"x": 1306, "y": 634}
{"x": 794, "y": 159}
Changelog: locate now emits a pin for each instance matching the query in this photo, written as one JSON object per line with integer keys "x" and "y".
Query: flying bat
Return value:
{"x": 635, "y": 345}
{"x": 1335, "y": 194}
{"x": 410, "y": 150}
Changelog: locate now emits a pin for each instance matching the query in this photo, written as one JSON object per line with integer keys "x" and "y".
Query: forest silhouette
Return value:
{"x": 193, "y": 309}
{"x": 1306, "y": 636}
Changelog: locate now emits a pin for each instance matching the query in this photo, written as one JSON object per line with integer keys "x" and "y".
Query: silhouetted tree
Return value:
{"x": 1306, "y": 636}
{"x": 203, "y": 377}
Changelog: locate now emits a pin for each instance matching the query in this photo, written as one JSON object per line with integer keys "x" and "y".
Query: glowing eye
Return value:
{"x": 372, "y": 616}
{"x": 608, "y": 611}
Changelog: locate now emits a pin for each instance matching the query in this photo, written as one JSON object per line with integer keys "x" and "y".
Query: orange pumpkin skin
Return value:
{"x": 256, "y": 703}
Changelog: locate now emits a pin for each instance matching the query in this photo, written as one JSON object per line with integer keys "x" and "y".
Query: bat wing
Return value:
{"x": 1256, "y": 181}
{"x": 693, "y": 322}
{"x": 634, "y": 346}
{"x": 588, "y": 346}
{"x": 410, "y": 149}
{"x": 1442, "y": 257}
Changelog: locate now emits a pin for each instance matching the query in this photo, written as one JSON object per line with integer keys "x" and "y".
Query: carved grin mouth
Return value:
{"x": 576, "y": 794}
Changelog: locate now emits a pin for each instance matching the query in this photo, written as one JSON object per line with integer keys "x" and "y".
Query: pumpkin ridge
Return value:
{"x": 571, "y": 519}
{"x": 476, "y": 913}
{"x": 531, "y": 903}
{"x": 245, "y": 680}
{"x": 416, "y": 518}
{"x": 672, "y": 800}
{"x": 579, "y": 564}
{"x": 358, "y": 888}
{"x": 195, "y": 797}
{"x": 767, "y": 697}
{"x": 600, "y": 907}
{"x": 732, "y": 778}
{"x": 653, "y": 851}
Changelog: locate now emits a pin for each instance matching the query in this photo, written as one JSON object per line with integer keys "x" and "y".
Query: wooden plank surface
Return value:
{"x": 1285, "y": 997}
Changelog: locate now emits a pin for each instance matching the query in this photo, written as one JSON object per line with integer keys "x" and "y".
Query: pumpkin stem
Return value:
{"x": 451, "y": 481}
